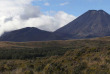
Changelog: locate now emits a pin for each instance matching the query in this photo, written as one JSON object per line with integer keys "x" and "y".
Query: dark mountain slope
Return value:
{"x": 26, "y": 34}
{"x": 93, "y": 23}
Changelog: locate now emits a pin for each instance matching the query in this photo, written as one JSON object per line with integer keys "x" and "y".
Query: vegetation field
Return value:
{"x": 87, "y": 56}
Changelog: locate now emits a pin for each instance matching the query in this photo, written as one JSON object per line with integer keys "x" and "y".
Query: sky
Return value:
{"x": 74, "y": 7}
{"x": 47, "y": 15}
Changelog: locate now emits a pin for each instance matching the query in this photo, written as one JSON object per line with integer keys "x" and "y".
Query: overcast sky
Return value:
{"x": 47, "y": 15}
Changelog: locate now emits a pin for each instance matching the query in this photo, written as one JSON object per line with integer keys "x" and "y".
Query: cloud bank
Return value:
{"x": 17, "y": 14}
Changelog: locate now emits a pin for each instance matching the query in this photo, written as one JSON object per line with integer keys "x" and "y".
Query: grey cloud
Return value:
{"x": 8, "y": 19}
{"x": 30, "y": 12}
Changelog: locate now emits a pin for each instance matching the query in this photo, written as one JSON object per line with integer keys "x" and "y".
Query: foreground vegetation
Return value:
{"x": 56, "y": 57}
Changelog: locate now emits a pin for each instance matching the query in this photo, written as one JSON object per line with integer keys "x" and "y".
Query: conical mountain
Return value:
{"x": 93, "y": 23}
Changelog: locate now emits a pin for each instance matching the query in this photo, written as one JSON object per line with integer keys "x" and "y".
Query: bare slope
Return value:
{"x": 93, "y": 23}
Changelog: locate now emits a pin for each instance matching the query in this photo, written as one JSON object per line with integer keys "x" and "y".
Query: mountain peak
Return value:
{"x": 97, "y": 11}
{"x": 92, "y": 10}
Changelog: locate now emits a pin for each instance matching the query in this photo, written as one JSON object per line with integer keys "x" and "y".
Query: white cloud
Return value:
{"x": 47, "y": 4}
{"x": 53, "y": 22}
{"x": 17, "y": 14}
{"x": 65, "y": 3}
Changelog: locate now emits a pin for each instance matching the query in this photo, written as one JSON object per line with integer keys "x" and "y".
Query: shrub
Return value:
{"x": 78, "y": 69}
{"x": 29, "y": 72}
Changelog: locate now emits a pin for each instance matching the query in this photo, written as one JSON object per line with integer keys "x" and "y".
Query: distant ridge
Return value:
{"x": 26, "y": 34}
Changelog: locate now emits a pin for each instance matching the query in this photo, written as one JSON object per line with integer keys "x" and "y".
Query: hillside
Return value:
{"x": 84, "y": 56}
{"x": 26, "y": 34}
{"x": 54, "y": 43}
{"x": 75, "y": 43}
{"x": 93, "y": 23}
